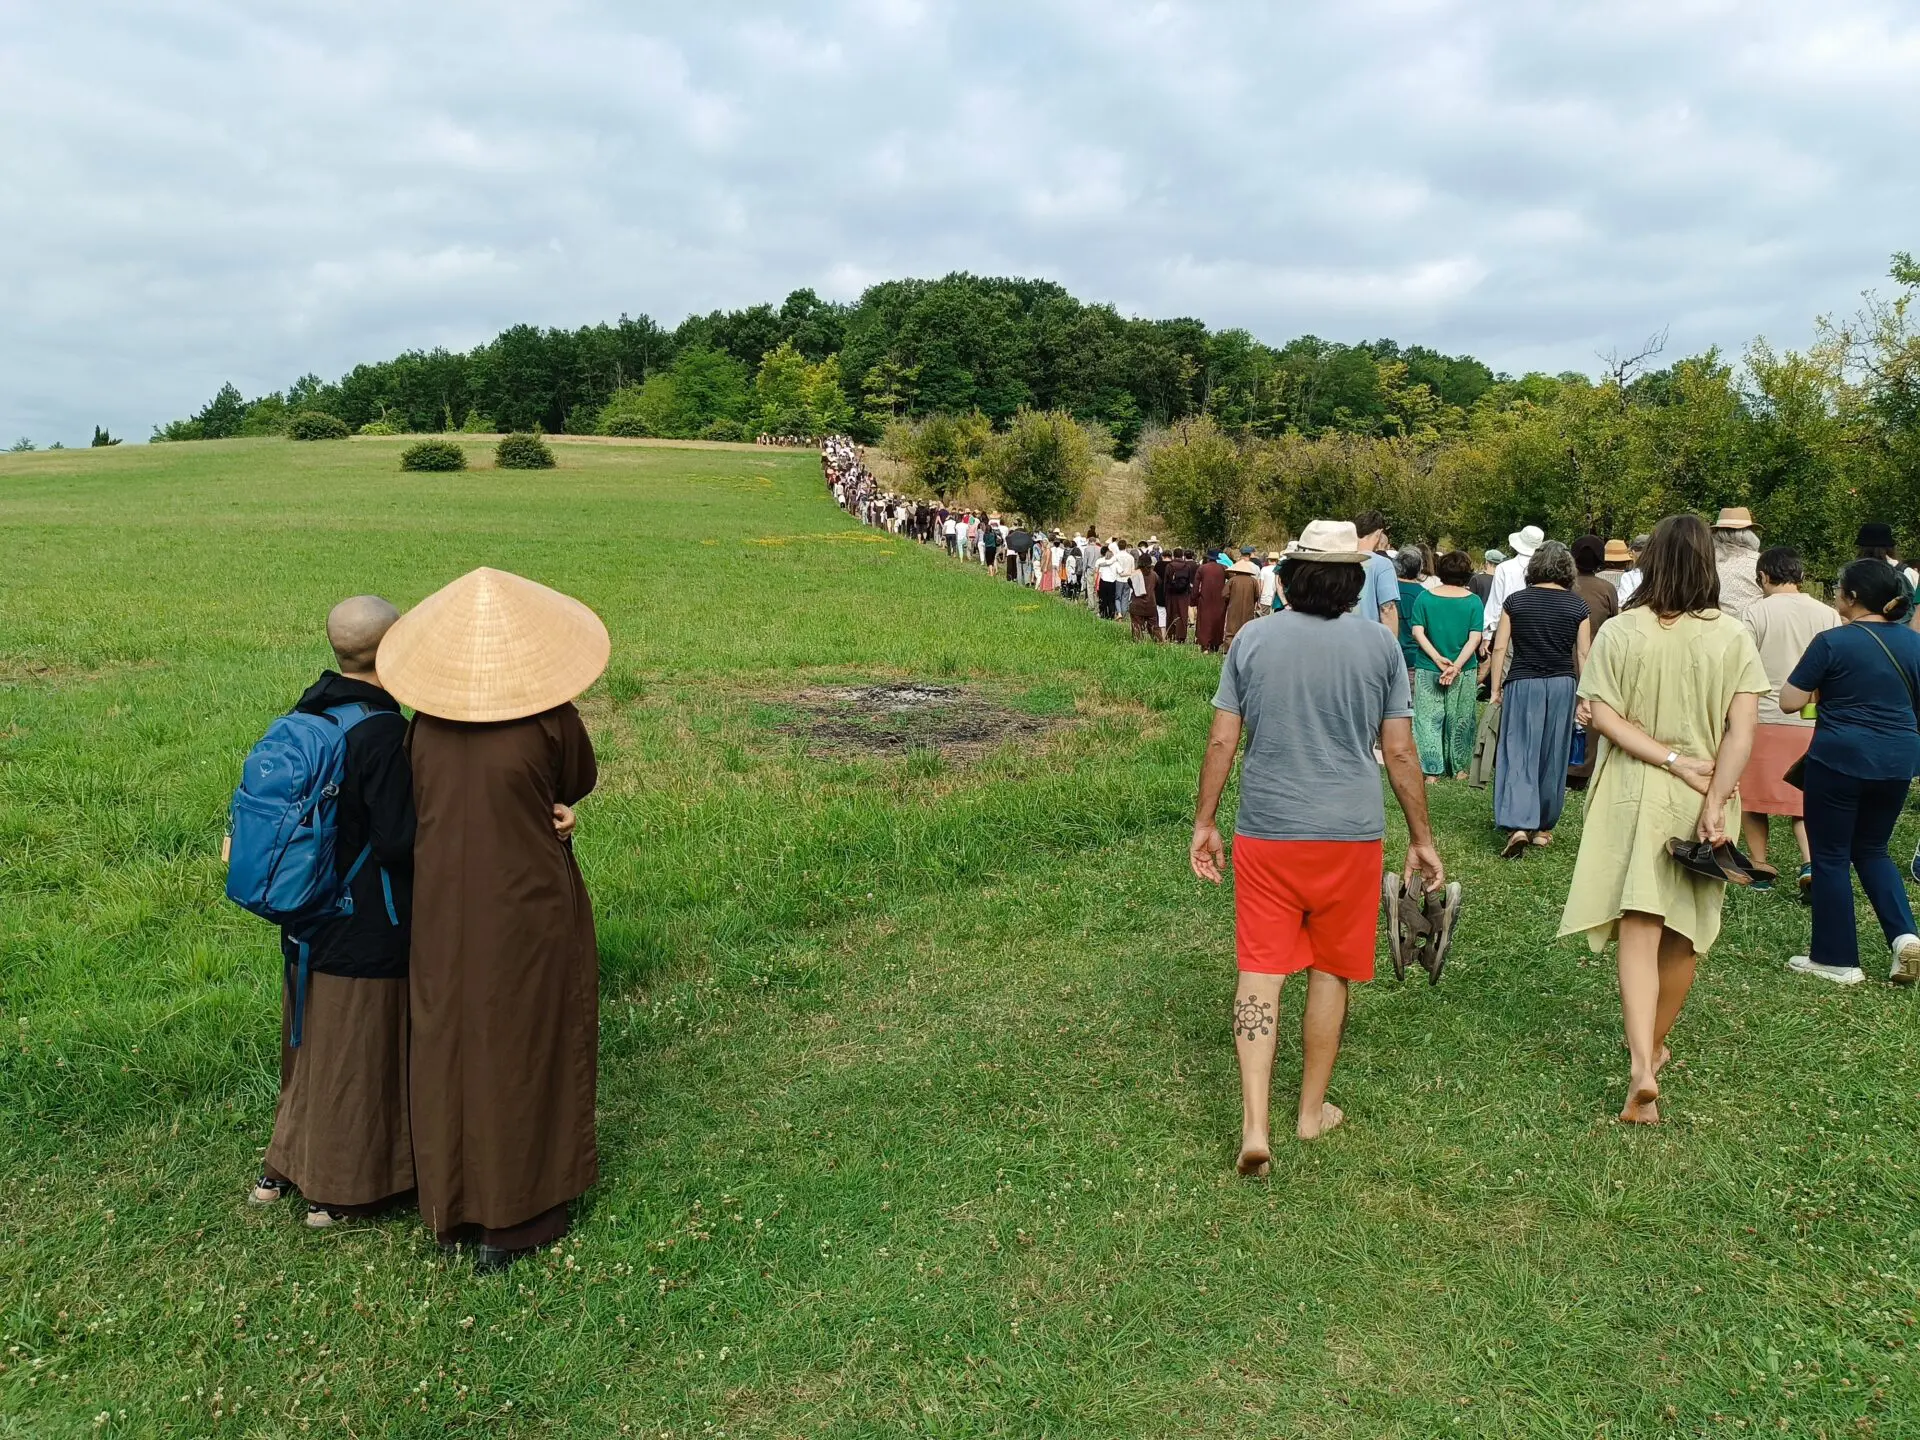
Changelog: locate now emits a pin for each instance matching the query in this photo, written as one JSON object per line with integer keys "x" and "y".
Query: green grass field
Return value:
{"x": 918, "y": 1103}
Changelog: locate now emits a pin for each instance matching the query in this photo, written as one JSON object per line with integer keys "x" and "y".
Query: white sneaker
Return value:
{"x": 1906, "y": 960}
{"x": 1838, "y": 974}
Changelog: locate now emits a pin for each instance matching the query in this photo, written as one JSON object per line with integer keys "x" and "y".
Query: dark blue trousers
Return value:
{"x": 1849, "y": 822}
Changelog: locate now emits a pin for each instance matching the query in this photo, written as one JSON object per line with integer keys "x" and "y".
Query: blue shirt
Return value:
{"x": 1382, "y": 589}
{"x": 1865, "y": 726}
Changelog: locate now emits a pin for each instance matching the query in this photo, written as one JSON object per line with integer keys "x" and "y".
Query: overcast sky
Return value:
{"x": 194, "y": 191}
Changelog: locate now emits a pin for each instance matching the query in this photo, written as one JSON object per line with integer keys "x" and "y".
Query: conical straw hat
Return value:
{"x": 492, "y": 646}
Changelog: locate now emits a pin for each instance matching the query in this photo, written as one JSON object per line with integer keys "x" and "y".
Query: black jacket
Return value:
{"x": 376, "y": 805}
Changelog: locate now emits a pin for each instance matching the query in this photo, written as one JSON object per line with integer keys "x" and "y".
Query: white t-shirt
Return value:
{"x": 1509, "y": 577}
{"x": 1269, "y": 577}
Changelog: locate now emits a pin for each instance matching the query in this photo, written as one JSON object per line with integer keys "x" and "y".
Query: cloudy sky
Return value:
{"x": 194, "y": 191}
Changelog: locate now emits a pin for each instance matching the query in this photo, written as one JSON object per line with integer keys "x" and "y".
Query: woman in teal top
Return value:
{"x": 1446, "y": 625}
{"x": 1407, "y": 565}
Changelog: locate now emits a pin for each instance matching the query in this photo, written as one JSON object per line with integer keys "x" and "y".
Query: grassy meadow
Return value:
{"x": 918, "y": 1104}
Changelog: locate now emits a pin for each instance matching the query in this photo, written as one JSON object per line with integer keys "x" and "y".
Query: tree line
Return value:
{"x": 905, "y": 349}
{"x": 1814, "y": 442}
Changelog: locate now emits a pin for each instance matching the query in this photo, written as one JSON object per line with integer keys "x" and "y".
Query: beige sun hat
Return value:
{"x": 492, "y": 646}
{"x": 1329, "y": 540}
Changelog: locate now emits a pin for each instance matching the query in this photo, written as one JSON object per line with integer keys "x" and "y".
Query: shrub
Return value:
{"x": 379, "y": 427}
{"x": 316, "y": 425}
{"x": 724, "y": 429}
{"x": 632, "y": 427}
{"x": 523, "y": 452}
{"x": 433, "y": 455}
{"x": 477, "y": 424}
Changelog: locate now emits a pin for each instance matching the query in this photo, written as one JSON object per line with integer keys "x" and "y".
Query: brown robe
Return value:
{"x": 1210, "y": 601}
{"x": 505, "y": 979}
{"x": 1243, "y": 598}
{"x": 340, "y": 1134}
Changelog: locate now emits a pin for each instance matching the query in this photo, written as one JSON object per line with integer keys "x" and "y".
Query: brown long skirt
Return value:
{"x": 341, "y": 1134}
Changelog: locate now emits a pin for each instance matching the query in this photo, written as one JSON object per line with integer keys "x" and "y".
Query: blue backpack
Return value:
{"x": 284, "y": 828}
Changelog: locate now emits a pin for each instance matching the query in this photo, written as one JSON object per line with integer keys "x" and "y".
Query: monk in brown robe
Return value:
{"x": 340, "y": 1134}
{"x": 505, "y": 969}
{"x": 1243, "y": 593}
{"x": 1210, "y": 605}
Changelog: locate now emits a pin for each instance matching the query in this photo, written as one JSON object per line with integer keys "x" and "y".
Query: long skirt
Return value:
{"x": 340, "y": 1133}
{"x": 1763, "y": 786}
{"x": 1536, "y": 735}
{"x": 1443, "y": 721}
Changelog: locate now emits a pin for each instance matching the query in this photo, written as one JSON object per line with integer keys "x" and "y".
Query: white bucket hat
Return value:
{"x": 1333, "y": 541}
{"x": 1527, "y": 539}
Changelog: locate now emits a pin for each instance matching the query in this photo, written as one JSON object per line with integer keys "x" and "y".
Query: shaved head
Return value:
{"x": 355, "y": 628}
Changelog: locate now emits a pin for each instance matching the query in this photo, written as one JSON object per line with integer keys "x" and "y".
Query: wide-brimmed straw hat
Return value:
{"x": 1334, "y": 541}
{"x": 492, "y": 646}
{"x": 1617, "y": 553}
{"x": 1733, "y": 517}
{"x": 1527, "y": 539}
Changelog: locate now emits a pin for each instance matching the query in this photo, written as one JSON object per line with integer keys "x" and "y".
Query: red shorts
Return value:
{"x": 1307, "y": 904}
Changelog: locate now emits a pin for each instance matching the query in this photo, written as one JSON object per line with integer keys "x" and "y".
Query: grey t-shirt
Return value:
{"x": 1311, "y": 694}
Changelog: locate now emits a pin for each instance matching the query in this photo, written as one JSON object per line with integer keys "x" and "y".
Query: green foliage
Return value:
{"x": 625, "y": 414}
{"x": 21, "y": 446}
{"x": 942, "y": 452}
{"x": 433, "y": 455}
{"x": 477, "y": 424}
{"x": 1203, "y": 482}
{"x": 379, "y": 427}
{"x": 1040, "y": 466}
{"x": 316, "y": 425}
{"x": 795, "y": 398}
{"x": 102, "y": 438}
{"x": 731, "y": 430}
{"x": 523, "y": 452}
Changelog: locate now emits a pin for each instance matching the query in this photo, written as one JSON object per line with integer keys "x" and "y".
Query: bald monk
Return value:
{"x": 340, "y": 1133}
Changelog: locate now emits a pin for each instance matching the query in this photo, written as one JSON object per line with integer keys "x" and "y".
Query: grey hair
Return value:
{"x": 1409, "y": 563}
{"x": 1552, "y": 564}
{"x": 1744, "y": 539}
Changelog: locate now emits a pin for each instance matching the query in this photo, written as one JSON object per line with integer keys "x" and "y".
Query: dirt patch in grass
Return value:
{"x": 908, "y": 716}
{"x": 33, "y": 670}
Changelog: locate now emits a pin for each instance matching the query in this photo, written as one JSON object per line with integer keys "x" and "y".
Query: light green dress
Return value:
{"x": 1676, "y": 683}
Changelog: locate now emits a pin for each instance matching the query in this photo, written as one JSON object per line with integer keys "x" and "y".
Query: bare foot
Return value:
{"x": 1642, "y": 1107}
{"x": 1666, "y": 1054}
{"x": 1330, "y": 1116}
{"x": 1543, "y": 838}
{"x": 1256, "y": 1158}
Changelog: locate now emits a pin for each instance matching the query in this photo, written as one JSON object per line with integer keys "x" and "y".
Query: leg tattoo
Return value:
{"x": 1252, "y": 1018}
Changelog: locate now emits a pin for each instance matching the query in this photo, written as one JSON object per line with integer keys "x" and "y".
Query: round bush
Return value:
{"x": 433, "y": 455}
{"x": 523, "y": 452}
{"x": 725, "y": 430}
{"x": 379, "y": 427}
{"x": 631, "y": 427}
{"x": 316, "y": 425}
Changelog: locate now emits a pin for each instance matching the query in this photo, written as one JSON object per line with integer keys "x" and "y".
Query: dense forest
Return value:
{"x": 906, "y": 348}
{"x": 1235, "y": 434}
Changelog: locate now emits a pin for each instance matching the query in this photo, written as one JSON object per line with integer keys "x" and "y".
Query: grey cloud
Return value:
{"x": 199, "y": 191}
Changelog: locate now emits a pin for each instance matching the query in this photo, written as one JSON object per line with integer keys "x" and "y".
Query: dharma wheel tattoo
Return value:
{"x": 1252, "y": 1018}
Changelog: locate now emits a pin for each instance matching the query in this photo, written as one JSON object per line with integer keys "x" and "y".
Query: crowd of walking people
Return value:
{"x": 440, "y": 1012}
{"x": 1683, "y": 678}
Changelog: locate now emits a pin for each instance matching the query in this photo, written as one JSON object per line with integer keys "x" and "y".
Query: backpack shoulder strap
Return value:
{"x": 349, "y": 715}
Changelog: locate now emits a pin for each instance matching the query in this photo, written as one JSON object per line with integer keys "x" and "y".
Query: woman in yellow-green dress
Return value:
{"x": 1673, "y": 688}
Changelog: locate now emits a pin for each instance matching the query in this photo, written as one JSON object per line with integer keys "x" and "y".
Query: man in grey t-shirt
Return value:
{"x": 1313, "y": 689}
